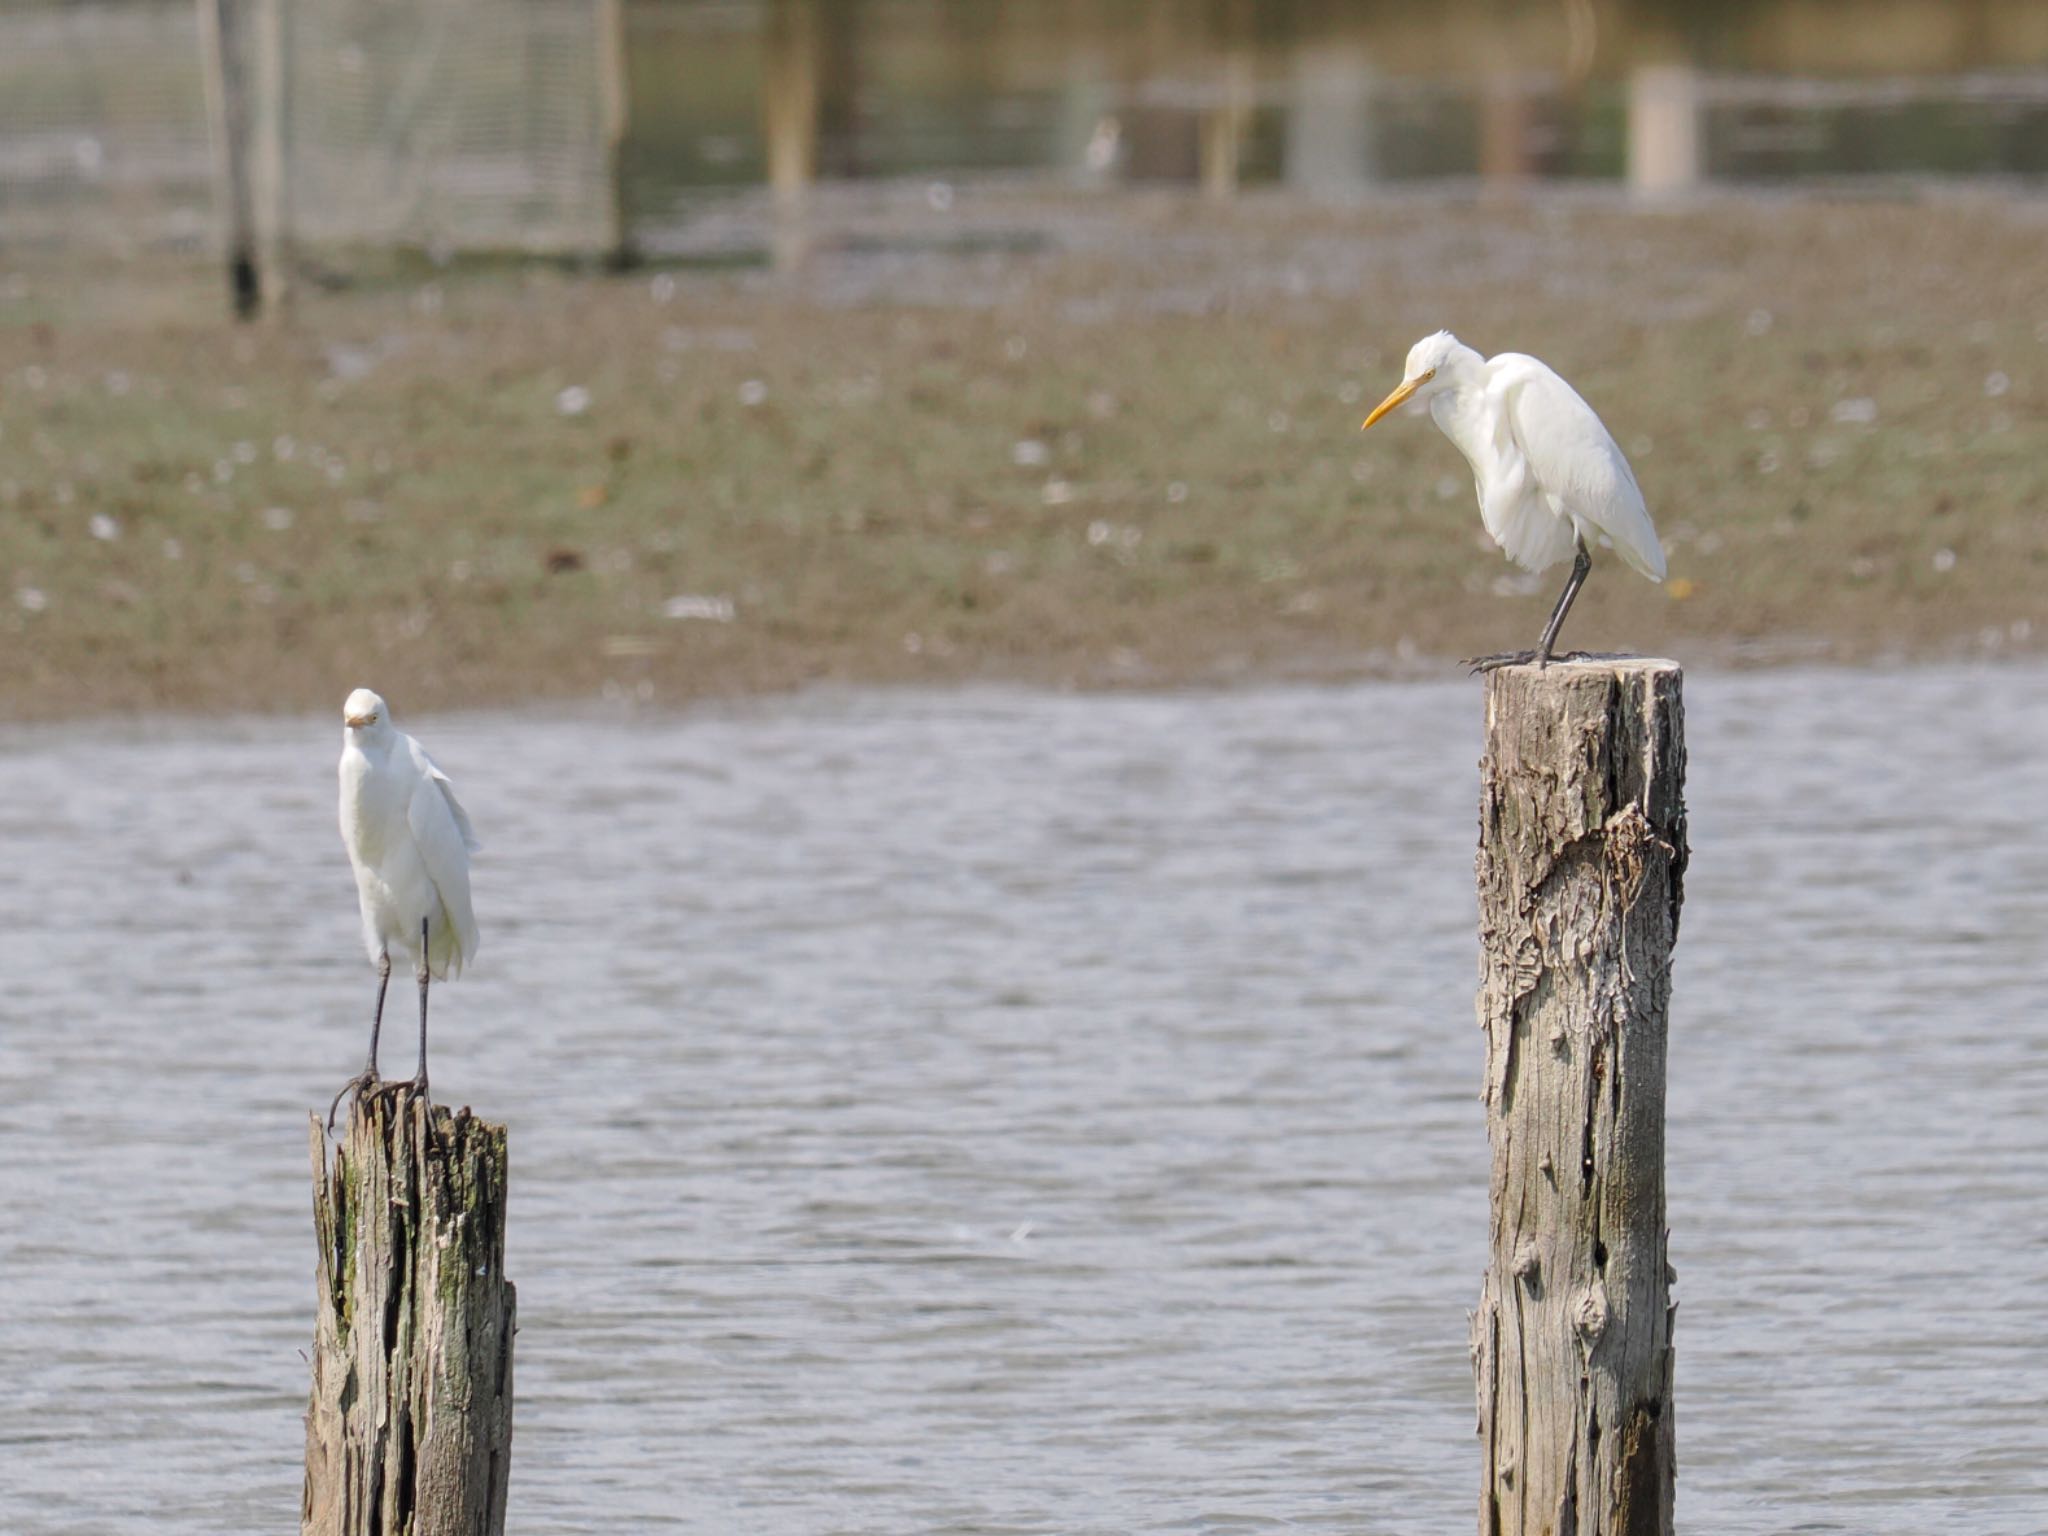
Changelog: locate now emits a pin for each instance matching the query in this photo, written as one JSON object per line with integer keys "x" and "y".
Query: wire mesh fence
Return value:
{"x": 446, "y": 125}
{"x": 456, "y": 126}
{"x": 103, "y": 126}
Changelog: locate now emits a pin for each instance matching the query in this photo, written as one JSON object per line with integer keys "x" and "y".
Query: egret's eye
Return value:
{"x": 1429, "y": 375}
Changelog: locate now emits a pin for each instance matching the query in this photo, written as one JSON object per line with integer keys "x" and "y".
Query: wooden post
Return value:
{"x": 224, "y": 58}
{"x": 273, "y": 160}
{"x": 616, "y": 102}
{"x": 1665, "y": 149}
{"x": 790, "y": 83}
{"x": 409, "y": 1432}
{"x": 1224, "y": 121}
{"x": 1582, "y": 856}
{"x": 789, "y": 99}
{"x": 1505, "y": 114}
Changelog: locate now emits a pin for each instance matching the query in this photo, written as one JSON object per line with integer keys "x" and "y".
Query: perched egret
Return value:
{"x": 409, "y": 842}
{"x": 1550, "y": 478}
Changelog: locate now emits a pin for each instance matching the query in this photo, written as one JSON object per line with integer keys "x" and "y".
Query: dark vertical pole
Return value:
{"x": 223, "y": 43}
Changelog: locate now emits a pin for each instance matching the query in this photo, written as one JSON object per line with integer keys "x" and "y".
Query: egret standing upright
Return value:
{"x": 409, "y": 842}
{"x": 1548, "y": 473}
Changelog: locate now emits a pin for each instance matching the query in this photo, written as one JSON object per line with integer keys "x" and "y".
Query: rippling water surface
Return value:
{"x": 1001, "y": 1112}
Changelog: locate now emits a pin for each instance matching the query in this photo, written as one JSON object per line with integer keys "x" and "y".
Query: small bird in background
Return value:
{"x": 409, "y": 842}
{"x": 1549, "y": 476}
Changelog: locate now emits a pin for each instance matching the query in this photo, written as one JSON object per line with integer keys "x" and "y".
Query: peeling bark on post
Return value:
{"x": 409, "y": 1431}
{"x": 1582, "y": 856}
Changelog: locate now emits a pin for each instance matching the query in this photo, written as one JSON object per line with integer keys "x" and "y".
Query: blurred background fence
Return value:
{"x": 434, "y": 124}
{"x": 594, "y": 126}
{"x": 103, "y": 128}
{"x": 459, "y": 124}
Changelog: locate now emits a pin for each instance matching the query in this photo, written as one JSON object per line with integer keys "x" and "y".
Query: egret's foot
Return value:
{"x": 414, "y": 1086}
{"x": 1494, "y": 663}
{"x": 365, "y": 1080}
{"x": 1538, "y": 659}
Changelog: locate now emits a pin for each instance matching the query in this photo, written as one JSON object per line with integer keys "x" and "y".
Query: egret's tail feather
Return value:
{"x": 450, "y": 946}
{"x": 1648, "y": 561}
{"x": 1533, "y": 536}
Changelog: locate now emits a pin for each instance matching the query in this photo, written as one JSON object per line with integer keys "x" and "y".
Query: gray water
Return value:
{"x": 1004, "y": 1112}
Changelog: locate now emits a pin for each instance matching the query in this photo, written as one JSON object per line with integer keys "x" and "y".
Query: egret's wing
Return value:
{"x": 433, "y": 772}
{"x": 441, "y": 830}
{"x": 1574, "y": 460}
{"x": 1511, "y": 504}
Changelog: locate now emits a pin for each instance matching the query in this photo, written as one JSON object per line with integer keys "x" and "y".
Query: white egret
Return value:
{"x": 1549, "y": 476}
{"x": 409, "y": 842}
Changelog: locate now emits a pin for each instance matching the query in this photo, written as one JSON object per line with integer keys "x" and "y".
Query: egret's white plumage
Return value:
{"x": 409, "y": 842}
{"x": 1549, "y": 475}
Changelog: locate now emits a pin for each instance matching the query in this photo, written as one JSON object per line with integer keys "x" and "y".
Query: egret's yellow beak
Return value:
{"x": 1400, "y": 395}
{"x": 357, "y": 721}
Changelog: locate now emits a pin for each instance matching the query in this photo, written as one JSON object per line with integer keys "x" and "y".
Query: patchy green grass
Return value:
{"x": 1130, "y": 457}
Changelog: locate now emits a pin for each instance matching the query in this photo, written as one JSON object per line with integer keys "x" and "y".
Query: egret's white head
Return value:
{"x": 1437, "y": 362}
{"x": 366, "y": 712}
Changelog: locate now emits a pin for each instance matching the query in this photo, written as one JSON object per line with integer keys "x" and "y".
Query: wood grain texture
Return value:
{"x": 1582, "y": 854}
{"x": 409, "y": 1431}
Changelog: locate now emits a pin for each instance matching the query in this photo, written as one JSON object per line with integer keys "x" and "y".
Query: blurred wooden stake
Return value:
{"x": 1223, "y": 124}
{"x": 410, "y": 1425}
{"x": 615, "y": 100}
{"x": 1506, "y": 118}
{"x": 1582, "y": 854}
{"x": 789, "y": 104}
{"x": 224, "y": 61}
{"x": 273, "y": 114}
{"x": 1664, "y": 144}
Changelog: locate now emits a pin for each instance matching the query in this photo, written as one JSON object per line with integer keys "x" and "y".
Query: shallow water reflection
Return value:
{"x": 1005, "y": 1112}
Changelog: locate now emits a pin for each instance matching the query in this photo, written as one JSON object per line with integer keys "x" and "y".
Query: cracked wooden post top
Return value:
{"x": 1582, "y": 852}
{"x": 409, "y": 1429}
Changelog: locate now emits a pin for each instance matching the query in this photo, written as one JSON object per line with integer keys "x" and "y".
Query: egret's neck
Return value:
{"x": 1460, "y": 414}
{"x": 374, "y": 745}
{"x": 371, "y": 793}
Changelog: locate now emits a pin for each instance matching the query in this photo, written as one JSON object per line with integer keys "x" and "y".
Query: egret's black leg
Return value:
{"x": 419, "y": 1078}
{"x": 417, "y": 1084}
{"x": 377, "y": 1013}
{"x": 1582, "y": 562}
{"x": 367, "y": 1078}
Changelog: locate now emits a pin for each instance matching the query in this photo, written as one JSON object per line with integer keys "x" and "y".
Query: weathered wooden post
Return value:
{"x": 1581, "y": 860}
{"x": 409, "y": 1432}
